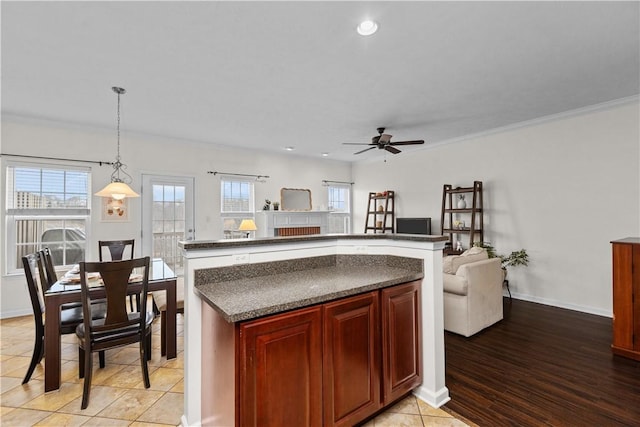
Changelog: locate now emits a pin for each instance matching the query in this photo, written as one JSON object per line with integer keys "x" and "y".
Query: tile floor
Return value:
{"x": 118, "y": 396}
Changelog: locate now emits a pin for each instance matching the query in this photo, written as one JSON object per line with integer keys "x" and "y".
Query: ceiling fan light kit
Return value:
{"x": 382, "y": 141}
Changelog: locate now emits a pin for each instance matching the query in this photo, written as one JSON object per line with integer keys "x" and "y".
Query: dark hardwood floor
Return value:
{"x": 542, "y": 365}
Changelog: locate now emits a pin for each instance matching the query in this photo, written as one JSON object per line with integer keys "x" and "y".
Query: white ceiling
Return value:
{"x": 267, "y": 75}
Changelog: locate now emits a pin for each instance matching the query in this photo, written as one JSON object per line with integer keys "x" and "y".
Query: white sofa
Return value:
{"x": 472, "y": 292}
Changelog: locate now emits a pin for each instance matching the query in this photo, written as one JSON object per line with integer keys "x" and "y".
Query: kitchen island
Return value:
{"x": 321, "y": 294}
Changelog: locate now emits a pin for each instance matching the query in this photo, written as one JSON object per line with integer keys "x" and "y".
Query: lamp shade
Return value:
{"x": 247, "y": 225}
{"x": 117, "y": 190}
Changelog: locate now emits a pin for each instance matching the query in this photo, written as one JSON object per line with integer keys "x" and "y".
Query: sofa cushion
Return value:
{"x": 454, "y": 284}
{"x": 450, "y": 264}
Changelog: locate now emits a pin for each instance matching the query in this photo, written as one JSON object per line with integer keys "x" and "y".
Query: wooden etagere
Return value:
{"x": 462, "y": 222}
{"x": 380, "y": 212}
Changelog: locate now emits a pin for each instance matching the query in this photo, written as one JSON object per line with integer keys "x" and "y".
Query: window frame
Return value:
{"x": 236, "y": 215}
{"x": 12, "y": 215}
{"x": 343, "y": 187}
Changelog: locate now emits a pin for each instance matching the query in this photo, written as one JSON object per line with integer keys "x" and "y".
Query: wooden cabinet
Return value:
{"x": 280, "y": 370}
{"x": 351, "y": 362}
{"x": 334, "y": 364}
{"x": 626, "y": 297}
{"x": 401, "y": 332}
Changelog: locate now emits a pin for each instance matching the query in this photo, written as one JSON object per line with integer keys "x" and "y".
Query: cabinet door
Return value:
{"x": 351, "y": 359}
{"x": 401, "y": 340}
{"x": 280, "y": 363}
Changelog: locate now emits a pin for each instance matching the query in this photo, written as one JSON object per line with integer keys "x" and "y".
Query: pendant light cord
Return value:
{"x": 118, "y": 166}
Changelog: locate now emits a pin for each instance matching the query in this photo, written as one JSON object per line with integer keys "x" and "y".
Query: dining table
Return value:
{"x": 67, "y": 289}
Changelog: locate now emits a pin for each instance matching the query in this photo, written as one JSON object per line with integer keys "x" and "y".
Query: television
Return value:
{"x": 413, "y": 225}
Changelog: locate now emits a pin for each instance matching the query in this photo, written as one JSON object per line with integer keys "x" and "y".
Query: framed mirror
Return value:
{"x": 295, "y": 199}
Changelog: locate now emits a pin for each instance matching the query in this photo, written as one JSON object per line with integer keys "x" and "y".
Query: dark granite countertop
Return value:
{"x": 242, "y": 292}
{"x": 230, "y": 243}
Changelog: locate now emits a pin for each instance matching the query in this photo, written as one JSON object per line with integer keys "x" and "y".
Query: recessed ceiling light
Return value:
{"x": 367, "y": 28}
{"x": 325, "y": 154}
{"x": 289, "y": 148}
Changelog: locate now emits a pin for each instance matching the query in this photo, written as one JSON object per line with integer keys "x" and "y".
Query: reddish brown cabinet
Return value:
{"x": 401, "y": 332}
{"x": 626, "y": 297}
{"x": 280, "y": 370}
{"x": 333, "y": 364}
{"x": 351, "y": 359}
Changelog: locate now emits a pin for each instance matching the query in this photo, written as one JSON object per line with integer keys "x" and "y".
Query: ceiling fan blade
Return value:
{"x": 391, "y": 149}
{"x": 356, "y": 143}
{"x": 384, "y": 138}
{"x": 366, "y": 149}
{"x": 416, "y": 142}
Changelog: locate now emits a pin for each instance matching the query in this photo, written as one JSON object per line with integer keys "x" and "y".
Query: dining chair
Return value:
{"x": 48, "y": 274}
{"x": 70, "y": 318}
{"x": 117, "y": 249}
{"x": 119, "y": 327}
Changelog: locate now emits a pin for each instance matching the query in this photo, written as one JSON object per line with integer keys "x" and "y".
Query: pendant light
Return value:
{"x": 118, "y": 188}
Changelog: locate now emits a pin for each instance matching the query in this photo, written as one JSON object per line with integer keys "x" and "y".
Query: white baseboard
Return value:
{"x": 559, "y": 304}
{"x": 15, "y": 313}
{"x": 432, "y": 399}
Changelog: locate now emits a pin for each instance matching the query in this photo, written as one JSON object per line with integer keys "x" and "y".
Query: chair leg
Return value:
{"x": 143, "y": 362}
{"x": 88, "y": 371}
{"x": 156, "y": 310}
{"x": 80, "y": 362}
{"x": 148, "y": 344}
{"x": 101, "y": 357}
{"x": 38, "y": 352}
{"x": 163, "y": 333}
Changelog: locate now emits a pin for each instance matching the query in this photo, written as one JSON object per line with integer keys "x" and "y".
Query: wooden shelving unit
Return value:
{"x": 470, "y": 218}
{"x": 380, "y": 212}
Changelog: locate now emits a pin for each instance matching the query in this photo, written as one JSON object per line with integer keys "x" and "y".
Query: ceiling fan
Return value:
{"x": 383, "y": 142}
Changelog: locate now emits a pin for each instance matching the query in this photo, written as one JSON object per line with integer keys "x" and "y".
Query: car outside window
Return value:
{"x": 46, "y": 206}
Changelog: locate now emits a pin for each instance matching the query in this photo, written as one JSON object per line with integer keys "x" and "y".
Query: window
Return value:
{"x": 339, "y": 202}
{"x": 46, "y": 207}
{"x": 339, "y": 198}
{"x": 237, "y": 203}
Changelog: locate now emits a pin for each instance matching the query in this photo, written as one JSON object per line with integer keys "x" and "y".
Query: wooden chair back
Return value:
{"x": 36, "y": 293}
{"x": 117, "y": 249}
{"x": 47, "y": 271}
{"x": 115, "y": 276}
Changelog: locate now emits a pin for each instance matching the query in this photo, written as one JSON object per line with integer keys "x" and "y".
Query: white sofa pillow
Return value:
{"x": 451, "y": 263}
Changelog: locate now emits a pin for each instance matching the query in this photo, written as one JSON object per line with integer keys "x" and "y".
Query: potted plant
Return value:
{"x": 276, "y": 206}
{"x": 514, "y": 259}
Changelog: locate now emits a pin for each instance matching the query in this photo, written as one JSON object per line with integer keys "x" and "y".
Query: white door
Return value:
{"x": 167, "y": 217}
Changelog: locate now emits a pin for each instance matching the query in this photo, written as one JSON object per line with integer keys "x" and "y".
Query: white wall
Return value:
{"x": 157, "y": 156}
{"x": 561, "y": 188}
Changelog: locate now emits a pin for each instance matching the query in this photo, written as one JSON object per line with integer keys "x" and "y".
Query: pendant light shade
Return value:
{"x": 118, "y": 188}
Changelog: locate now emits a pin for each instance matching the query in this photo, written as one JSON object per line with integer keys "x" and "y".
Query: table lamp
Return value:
{"x": 247, "y": 225}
